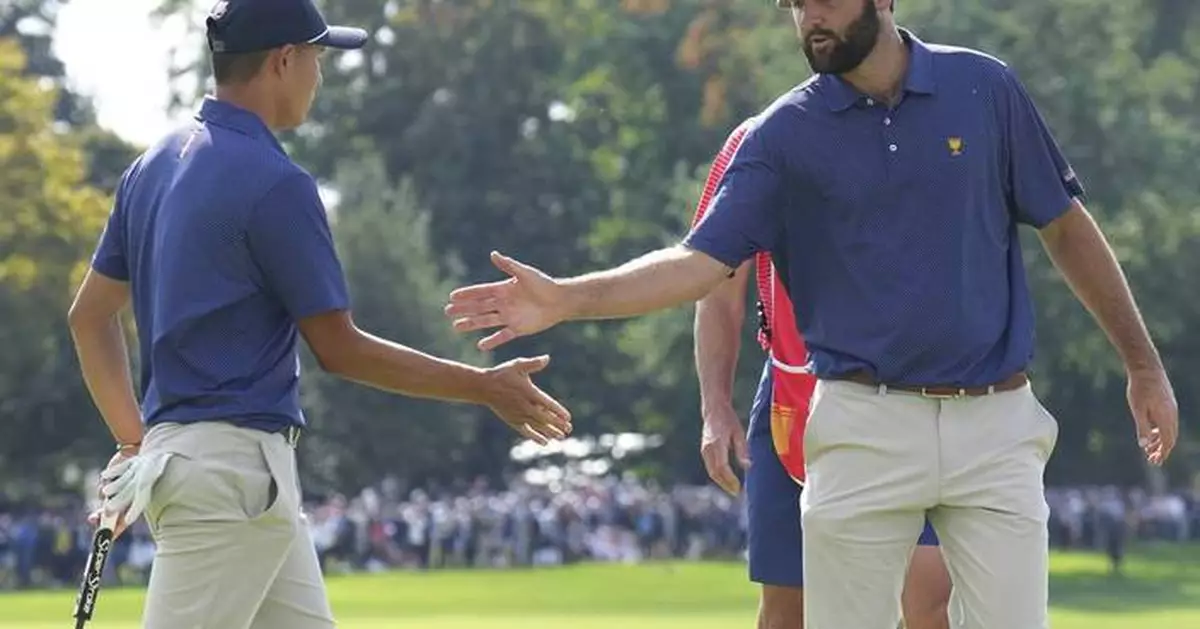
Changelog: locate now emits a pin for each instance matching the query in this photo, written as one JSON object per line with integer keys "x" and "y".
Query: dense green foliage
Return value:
{"x": 575, "y": 133}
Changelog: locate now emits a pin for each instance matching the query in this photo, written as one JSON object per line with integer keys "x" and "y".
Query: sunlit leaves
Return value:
{"x": 49, "y": 219}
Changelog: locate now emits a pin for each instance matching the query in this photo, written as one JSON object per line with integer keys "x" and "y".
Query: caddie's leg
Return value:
{"x": 927, "y": 588}
{"x": 871, "y": 474}
{"x": 773, "y": 523}
{"x": 993, "y": 522}
{"x": 224, "y": 526}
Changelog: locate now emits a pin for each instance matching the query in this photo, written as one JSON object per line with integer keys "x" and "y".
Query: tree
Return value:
{"x": 571, "y": 133}
{"x": 49, "y": 220}
{"x": 397, "y": 290}
{"x": 31, "y": 24}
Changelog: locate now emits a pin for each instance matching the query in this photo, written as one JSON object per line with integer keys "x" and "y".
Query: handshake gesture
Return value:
{"x": 511, "y": 394}
{"x": 527, "y": 302}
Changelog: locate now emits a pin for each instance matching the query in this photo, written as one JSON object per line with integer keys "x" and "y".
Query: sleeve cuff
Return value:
{"x": 708, "y": 248}
{"x": 111, "y": 269}
{"x": 320, "y": 308}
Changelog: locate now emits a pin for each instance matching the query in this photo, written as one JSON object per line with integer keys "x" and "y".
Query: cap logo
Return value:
{"x": 220, "y": 9}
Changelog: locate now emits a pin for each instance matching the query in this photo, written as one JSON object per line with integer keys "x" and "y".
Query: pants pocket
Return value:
{"x": 1046, "y": 428}
{"x": 814, "y": 438}
{"x": 166, "y": 490}
{"x": 275, "y": 494}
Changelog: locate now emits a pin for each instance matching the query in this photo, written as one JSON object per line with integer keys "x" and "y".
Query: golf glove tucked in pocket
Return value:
{"x": 127, "y": 484}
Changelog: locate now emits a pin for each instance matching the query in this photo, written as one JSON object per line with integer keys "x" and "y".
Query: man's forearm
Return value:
{"x": 104, "y": 361}
{"x": 656, "y": 281}
{"x": 389, "y": 366}
{"x": 1080, "y": 252}
{"x": 719, "y": 318}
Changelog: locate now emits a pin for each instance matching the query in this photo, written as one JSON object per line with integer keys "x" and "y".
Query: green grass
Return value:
{"x": 1161, "y": 590}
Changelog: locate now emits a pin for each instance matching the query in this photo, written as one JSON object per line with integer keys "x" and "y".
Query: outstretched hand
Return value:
{"x": 518, "y": 402}
{"x": 528, "y": 302}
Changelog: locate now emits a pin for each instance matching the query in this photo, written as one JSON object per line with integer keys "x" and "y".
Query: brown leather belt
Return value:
{"x": 1010, "y": 383}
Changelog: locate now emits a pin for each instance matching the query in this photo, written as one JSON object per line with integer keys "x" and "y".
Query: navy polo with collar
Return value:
{"x": 895, "y": 227}
{"x": 225, "y": 244}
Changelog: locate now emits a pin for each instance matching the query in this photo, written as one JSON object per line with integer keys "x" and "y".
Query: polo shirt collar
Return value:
{"x": 229, "y": 116}
{"x": 918, "y": 78}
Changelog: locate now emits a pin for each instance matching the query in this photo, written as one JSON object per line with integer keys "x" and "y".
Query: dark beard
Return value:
{"x": 846, "y": 54}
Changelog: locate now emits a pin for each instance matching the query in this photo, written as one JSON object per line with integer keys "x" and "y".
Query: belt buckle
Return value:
{"x": 926, "y": 393}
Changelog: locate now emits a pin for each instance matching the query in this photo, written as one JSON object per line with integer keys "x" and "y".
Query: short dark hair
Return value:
{"x": 233, "y": 68}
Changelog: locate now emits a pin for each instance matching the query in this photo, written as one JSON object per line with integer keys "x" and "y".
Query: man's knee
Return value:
{"x": 781, "y": 608}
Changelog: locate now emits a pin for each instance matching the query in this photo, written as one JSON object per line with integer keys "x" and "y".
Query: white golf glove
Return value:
{"x": 126, "y": 484}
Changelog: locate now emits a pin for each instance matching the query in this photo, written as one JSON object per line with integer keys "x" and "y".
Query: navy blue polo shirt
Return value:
{"x": 225, "y": 244}
{"x": 895, "y": 228}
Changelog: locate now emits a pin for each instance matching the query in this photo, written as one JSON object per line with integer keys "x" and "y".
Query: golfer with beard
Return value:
{"x": 889, "y": 189}
{"x": 770, "y": 453}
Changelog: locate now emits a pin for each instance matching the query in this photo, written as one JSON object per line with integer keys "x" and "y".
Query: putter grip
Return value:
{"x": 89, "y": 586}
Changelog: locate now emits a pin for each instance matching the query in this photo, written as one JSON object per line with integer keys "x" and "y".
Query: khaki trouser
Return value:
{"x": 234, "y": 551}
{"x": 878, "y": 462}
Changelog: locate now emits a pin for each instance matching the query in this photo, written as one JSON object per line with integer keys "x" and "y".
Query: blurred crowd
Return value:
{"x": 609, "y": 519}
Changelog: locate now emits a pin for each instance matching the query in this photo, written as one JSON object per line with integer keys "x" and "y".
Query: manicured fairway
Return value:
{"x": 1160, "y": 591}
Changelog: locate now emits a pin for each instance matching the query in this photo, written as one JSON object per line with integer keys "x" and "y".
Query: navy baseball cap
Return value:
{"x": 241, "y": 26}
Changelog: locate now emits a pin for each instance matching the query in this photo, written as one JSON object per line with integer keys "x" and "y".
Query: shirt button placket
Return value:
{"x": 888, "y": 135}
{"x": 890, "y": 143}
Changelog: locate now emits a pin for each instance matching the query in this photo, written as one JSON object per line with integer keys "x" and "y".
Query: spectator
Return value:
{"x": 617, "y": 519}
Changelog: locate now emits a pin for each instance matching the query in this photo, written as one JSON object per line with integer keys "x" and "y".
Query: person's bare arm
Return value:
{"x": 655, "y": 281}
{"x": 1081, "y": 253}
{"x": 341, "y": 348}
{"x": 530, "y": 301}
{"x": 743, "y": 218}
{"x": 719, "y": 318}
{"x": 95, "y": 324}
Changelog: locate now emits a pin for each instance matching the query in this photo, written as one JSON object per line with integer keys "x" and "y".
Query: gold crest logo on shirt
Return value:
{"x": 956, "y": 145}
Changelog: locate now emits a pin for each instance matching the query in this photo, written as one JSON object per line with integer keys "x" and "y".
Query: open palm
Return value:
{"x": 528, "y": 302}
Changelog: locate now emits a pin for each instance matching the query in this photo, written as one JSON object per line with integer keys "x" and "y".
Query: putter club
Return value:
{"x": 89, "y": 587}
